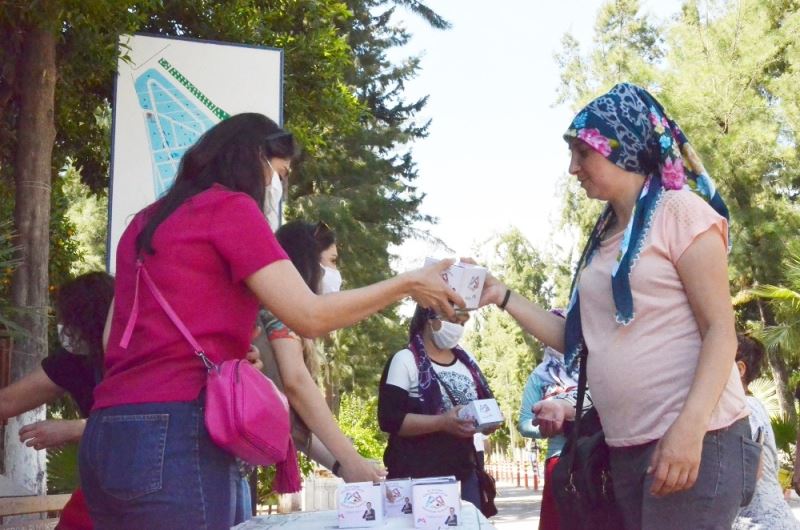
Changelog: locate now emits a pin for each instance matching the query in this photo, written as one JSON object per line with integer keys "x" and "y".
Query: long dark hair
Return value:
{"x": 304, "y": 243}
{"x": 230, "y": 153}
{"x": 418, "y": 321}
{"x": 82, "y": 306}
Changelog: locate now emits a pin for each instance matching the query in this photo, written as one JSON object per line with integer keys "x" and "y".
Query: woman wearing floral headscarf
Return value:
{"x": 650, "y": 303}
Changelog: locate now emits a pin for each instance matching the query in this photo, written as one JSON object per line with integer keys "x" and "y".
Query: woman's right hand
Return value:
{"x": 493, "y": 289}
{"x": 429, "y": 290}
{"x": 550, "y": 415}
{"x": 360, "y": 469}
{"x": 452, "y": 424}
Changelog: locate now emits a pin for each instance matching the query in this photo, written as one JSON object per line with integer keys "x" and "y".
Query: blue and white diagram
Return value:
{"x": 173, "y": 123}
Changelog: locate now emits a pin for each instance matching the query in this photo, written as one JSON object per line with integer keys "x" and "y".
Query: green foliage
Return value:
{"x": 358, "y": 419}
{"x": 8, "y": 262}
{"x": 764, "y": 390}
{"x": 505, "y": 352}
{"x": 62, "y": 469}
{"x": 784, "y": 302}
{"x": 87, "y": 212}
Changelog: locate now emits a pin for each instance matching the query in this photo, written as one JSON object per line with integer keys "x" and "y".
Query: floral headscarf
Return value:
{"x": 630, "y": 128}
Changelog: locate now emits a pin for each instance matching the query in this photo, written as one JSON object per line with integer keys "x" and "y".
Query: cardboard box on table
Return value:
{"x": 360, "y": 505}
{"x": 436, "y": 502}
{"x": 465, "y": 279}
{"x": 397, "y": 498}
{"x": 485, "y": 412}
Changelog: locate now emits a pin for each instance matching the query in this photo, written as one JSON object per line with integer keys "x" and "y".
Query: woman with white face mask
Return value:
{"x": 421, "y": 391}
{"x": 312, "y": 249}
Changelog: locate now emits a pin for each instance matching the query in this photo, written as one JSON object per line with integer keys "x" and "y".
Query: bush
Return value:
{"x": 358, "y": 419}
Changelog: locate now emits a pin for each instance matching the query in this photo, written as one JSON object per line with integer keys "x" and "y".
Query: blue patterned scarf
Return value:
{"x": 630, "y": 128}
{"x": 429, "y": 392}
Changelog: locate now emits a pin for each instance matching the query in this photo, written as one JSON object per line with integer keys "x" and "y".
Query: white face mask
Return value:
{"x": 272, "y": 200}
{"x": 448, "y": 335}
{"x": 331, "y": 280}
{"x": 63, "y": 338}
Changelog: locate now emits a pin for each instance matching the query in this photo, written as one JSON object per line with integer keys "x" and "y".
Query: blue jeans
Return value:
{"x": 154, "y": 466}
{"x": 726, "y": 480}
{"x": 244, "y": 501}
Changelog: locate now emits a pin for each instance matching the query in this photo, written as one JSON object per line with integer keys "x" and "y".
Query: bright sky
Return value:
{"x": 495, "y": 151}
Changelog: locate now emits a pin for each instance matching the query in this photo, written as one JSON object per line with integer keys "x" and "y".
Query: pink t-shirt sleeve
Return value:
{"x": 241, "y": 234}
{"x": 686, "y": 217}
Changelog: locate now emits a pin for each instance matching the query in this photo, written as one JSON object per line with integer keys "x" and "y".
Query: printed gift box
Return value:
{"x": 465, "y": 279}
{"x": 485, "y": 412}
{"x": 436, "y": 502}
{"x": 359, "y": 505}
{"x": 397, "y": 498}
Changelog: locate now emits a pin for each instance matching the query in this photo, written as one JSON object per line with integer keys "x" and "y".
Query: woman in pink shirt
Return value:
{"x": 651, "y": 305}
{"x": 146, "y": 460}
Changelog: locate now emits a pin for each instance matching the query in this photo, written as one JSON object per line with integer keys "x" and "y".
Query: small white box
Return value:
{"x": 437, "y": 502}
{"x": 359, "y": 505}
{"x": 485, "y": 412}
{"x": 397, "y": 498}
{"x": 465, "y": 279}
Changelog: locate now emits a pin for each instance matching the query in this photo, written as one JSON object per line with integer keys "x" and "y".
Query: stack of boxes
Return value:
{"x": 427, "y": 503}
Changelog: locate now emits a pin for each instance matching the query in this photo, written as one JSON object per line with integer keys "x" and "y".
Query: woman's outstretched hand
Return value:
{"x": 430, "y": 291}
{"x": 51, "y": 433}
{"x": 550, "y": 415}
{"x": 676, "y": 459}
{"x": 493, "y": 289}
{"x": 362, "y": 470}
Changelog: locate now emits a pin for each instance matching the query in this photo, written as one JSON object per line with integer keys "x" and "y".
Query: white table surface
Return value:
{"x": 471, "y": 519}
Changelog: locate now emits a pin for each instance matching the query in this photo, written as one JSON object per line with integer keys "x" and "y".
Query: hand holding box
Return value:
{"x": 466, "y": 279}
{"x": 484, "y": 412}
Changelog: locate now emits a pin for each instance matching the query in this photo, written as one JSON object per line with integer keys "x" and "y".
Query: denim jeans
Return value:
{"x": 244, "y": 501}
{"x": 726, "y": 480}
{"x": 154, "y": 466}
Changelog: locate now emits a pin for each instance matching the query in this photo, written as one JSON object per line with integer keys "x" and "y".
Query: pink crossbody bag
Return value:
{"x": 245, "y": 413}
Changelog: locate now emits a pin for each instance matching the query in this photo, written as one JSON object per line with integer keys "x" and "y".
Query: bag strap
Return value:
{"x": 578, "y": 413}
{"x": 141, "y": 272}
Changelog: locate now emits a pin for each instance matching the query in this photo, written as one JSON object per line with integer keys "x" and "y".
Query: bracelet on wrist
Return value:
{"x": 504, "y": 303}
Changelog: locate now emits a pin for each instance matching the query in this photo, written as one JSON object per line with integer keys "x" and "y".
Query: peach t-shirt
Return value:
{"x": 640, "y": 374}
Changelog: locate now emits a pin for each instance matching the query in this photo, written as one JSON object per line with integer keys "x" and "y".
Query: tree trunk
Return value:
{"x": 29, "y": 287}
{"x": 780, "y": 374}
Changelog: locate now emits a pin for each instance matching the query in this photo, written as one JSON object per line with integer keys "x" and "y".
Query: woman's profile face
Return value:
{"x": 596, "y": 174}
{"x": 282, "y": 166}
{"x": 329, "y": 257}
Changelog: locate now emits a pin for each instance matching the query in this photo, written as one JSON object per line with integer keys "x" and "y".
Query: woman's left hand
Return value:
{"x": 254, "y": 356}
{"x": 676, "y": 460}
{"x": 51, "y": 433}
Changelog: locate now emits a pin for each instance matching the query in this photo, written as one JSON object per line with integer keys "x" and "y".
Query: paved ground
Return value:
{"x": 519, "y": 508}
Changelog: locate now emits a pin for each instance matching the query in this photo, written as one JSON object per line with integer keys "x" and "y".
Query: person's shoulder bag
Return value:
{"x": 581, "y": 478}
{"x": 245, "y": 414}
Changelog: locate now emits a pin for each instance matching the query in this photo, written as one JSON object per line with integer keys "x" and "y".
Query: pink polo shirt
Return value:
{"x": 204, "y": 251}
{"x": 640, "y": 374}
